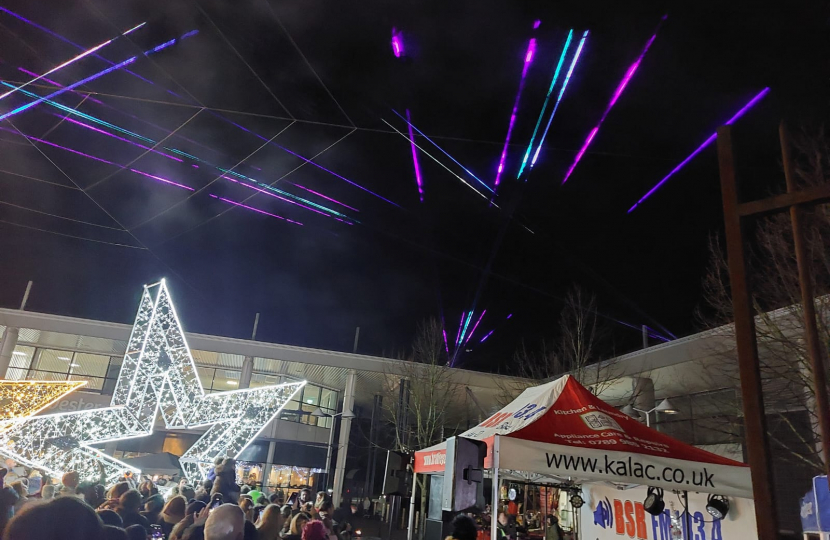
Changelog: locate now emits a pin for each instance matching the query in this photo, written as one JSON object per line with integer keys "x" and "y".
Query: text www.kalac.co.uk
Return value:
{"x": 630, "y": 467}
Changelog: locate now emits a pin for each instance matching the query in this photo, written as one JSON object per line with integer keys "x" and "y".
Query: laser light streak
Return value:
{"x": 531, "y": 48}
{"x": 700, "y": 148}
{"x": 67, "y": 88}
{"x": 397, "y": 43}
{"x": 473, "y": 331}
{"x": 69, "y": 62}
{"x": 424, "y": 135}
{"x": 545, "y": 103}
{"x": 160, "y": 179}
{"x": 257, "y": 210}
{"x": 559, "y": 97}
{"x": 101, "y": 131}
{"x": 617, "y": 93}
{"x": 418, "y": 179}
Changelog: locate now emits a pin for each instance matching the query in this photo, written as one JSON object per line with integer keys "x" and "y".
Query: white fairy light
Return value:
{"x": 158, "y": 375}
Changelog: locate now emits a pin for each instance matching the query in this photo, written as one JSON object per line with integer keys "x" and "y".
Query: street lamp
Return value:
{"x": 665, "y": 406}
{"x": 318, "y": 413}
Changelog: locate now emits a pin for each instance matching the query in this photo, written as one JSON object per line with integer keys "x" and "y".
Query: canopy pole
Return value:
{"x": 411, "y": 520}
{"x": 494, "y": 500}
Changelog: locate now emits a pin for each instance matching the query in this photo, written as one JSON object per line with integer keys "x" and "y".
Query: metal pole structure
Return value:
{"x": 328, "y": 452}
{"x": 369, "y": 485}
{"x": 645, "y": 337}
{"x": 805, "y": 278}
{"x": 755, "y": 424}
{"x": 343, "y": 446}
{"x": 10, "y": 335}
{"x": 248, "y": 362}
{"x": 376, "y": 412}
{"x": 356, "y": 339}
{"x": 494, "y": 501}
{"x": 410, "y": 533}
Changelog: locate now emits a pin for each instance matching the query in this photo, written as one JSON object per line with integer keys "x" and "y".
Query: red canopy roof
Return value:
{"x": 561, "y": 430}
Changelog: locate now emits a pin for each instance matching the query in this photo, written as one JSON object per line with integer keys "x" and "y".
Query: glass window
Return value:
{"x": 311, "y": 395}
{"x": 328, "y": 400}
{"x": 46, "y": 376}
{"x": 206, "y": 376}
{"x": 225, "y": 380}
{"x": 291, "y": 411}
{"x": 53, "y": 360}
{"x": 89, "y": 364}
{"x": 259, "y": 380}
{"x": 20, "y": 362}
{"x": 92, "y": 383}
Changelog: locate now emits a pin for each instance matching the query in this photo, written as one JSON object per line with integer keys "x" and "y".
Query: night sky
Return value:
{"x": 329, "y": 66}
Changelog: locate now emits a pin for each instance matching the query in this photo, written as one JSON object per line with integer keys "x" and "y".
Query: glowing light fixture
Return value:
{"x": 545, "y": 103}
{"x": 397, "y": 43}
{"x": 700, "y": 148}
{"x": 617, "y": 93}
{"x": 559, "y": 97}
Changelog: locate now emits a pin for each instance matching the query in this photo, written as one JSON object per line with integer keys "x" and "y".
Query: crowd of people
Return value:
{"x": 216, "y": 509}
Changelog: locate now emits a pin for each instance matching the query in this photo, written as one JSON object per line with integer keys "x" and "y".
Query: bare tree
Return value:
{"x": 422, "y": 399}
{"x": 787, "y": 378}
{"x": 575, "y": 349}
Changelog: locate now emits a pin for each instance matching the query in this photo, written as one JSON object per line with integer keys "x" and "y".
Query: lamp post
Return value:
{"x": 664, "y": 407}
{"x": 318, "y": 413}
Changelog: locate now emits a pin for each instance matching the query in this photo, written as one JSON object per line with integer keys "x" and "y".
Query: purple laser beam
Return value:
{"x": 324, "y": 196}
{"x": 120, "y": 138}
{"x": 460, "y": 326}
{"x": 61, "y": 147}
{"x": 254, "y": 209}
{"x": 446, "y": 344}
{"x": 415, "y": 158}
{"x": 617, "y": 93}
{"x": 59, "y": 85}
{"x": 67, "y": 88}
{"x": 490, "y": 333}
{"x": 531, "y": 47}
{"x": 700, "y": 148}
{"x": 397, "y": 43}
{"x": 165, "y": 180}
{"x": 473, "y": 331}
{"x": 212, "y": 113}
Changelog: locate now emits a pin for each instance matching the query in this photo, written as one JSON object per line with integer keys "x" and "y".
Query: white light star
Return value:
{"x": 158, "y": 374}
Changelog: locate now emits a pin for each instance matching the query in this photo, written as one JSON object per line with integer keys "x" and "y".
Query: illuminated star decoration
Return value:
{"x": 158, "y": 375}
{"x": 21, "y": 399}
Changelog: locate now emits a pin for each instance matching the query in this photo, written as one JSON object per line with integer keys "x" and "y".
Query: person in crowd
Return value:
{"x": 315, "y": 530}
{"x": 69, "y": 485}
{"x": 187, "y": 492}
{"x": 249, "y": 531}
{"x": 211, "y": 474}
{"x": 273, "y": 498}
{"x": 285, "y": 510}
{"x": 325, "y": 515}
{"x": 191, "y": 511}
{"x": 225, "y": 482}
{"x": 554, "y": 531}
{"x": 309, "y": 509}
{"x": 463, "y": 528}
{"x": 22, "y": 494}
{"x": 503, "y": 532}
{"x": 173, "y": 512}
{"x": 136, "y": 532}
{"x": 64, "y": 518}
{"x": 322, "y": 497}
{"x": 247, "y": 506}
{"x": 111, "y": 532}
{"x": 203, "y": 491}
{"x": 298, "y": 522}
{"x": 90, "y": 493}
{"x": 227, "y": 522}
{"x": 147, "y": 488}
{"x": 114, "y": 495}
{"x": 153, "y": 507}
{"x": 110, "y": 517}
{"x": 129, "y": 505}
{"x": 270, "y": 523}
{"x": 47, "y": 492}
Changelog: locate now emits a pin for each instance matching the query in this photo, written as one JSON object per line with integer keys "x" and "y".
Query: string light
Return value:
{"x": 21, "y": 399}
{"x": 157, "y": 376}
